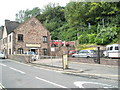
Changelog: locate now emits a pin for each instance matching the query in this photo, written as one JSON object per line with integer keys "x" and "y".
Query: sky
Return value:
{"x": 8, "y": 8}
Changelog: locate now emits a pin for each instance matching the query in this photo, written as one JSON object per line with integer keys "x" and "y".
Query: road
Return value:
{"x": 19, "y": 75}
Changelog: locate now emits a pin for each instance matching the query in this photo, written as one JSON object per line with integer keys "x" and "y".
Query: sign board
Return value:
{"x": 33, "y": 45}
{"x": 65, "y": 61}
{"x": 52, "y": 49}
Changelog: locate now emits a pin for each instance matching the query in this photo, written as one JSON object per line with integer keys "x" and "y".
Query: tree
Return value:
{"x": 52, "y": 17}
{"x": 23, "y": 15}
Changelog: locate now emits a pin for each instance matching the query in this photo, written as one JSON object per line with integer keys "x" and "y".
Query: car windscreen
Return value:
{"x": 93, "y": 51}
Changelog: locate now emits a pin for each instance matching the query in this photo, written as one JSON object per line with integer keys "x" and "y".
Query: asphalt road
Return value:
{"x": 19, "y": 75}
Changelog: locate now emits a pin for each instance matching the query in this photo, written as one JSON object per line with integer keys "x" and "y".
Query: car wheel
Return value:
{"x": 88, "y": 56}
{"x": 73, "y": 56}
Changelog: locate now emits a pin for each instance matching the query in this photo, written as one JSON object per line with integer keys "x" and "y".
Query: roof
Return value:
{"x": 113, "y": 45}
{"x": 11, "y": 25}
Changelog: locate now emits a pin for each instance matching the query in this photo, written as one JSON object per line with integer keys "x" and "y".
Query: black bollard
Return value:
{"x": 98, "y": 55}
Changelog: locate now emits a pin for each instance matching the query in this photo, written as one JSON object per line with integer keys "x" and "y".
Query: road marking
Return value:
{"x": 3, "y": 64}
{"x": 1, "y": 87}
{"x": 80, "y": 84}
{"x": 17, "y": 70}
{"x": 18, "y": 62}
{"x": 50, "y": 82}
{"x": 49, "y": 69}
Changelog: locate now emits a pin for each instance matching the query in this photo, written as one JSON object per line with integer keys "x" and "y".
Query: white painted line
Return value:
{"x": 18, "y": 62}
{"x": 17, "y": 70}
{"x": 1, "y": 86}
{"x": 81, "y": 83}
{"x": 50, "y": 82}
{"x": 3, "y": 64}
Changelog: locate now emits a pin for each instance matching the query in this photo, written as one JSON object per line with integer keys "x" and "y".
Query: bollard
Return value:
{"x": 98, "y": 55}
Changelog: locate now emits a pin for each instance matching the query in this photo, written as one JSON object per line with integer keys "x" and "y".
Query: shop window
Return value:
{"x": 20, "y": 51}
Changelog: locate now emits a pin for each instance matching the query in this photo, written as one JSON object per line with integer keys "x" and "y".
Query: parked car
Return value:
{"x": 30, "y": 53}
{"x": 2, "y": 55}
{"x": 71, "y": 52}
{"x": 85, "y": 53}
{"x": 34, "y": 56}
{"x": 112, "y": 51}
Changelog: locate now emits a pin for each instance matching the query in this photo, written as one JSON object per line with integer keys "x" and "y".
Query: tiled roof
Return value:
{"x": 11, "y": 25}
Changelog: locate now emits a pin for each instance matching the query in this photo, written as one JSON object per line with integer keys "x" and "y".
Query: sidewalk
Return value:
{"x": 77, "y": 68}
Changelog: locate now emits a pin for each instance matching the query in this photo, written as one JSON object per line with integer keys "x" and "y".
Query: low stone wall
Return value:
{"x": 20, "y": 58}
{"x": 107, "y": 61}
{"x": 104, "y": 61}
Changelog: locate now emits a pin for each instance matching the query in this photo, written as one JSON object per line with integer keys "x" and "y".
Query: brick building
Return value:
{"x": 28, "y": 36}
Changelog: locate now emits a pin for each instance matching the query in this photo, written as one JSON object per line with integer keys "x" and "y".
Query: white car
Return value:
{"x": 85, "y": 53}
{"x": 34, "y": 56}
{"x": 2, "y": 55}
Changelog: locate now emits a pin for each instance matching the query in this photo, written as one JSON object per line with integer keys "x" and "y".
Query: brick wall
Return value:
{"x": 20, "y": 58}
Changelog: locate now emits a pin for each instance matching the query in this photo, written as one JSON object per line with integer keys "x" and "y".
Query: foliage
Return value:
{"x": 106, "y": 35}
{"x": 87, "y": 22}
{"x": 83, "y": 39}
{"x": 23, "y": 15}
{"x": 91, "y": 38}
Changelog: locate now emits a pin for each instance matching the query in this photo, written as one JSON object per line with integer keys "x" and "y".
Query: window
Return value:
{"x": 10, "y": 38}
{"x": 116, "y": 48}
{"x": 44, "y": 39}
{"x": 111, "y": 48}
{"x": 20, "y": 37}
{"x": 20, "y": 51}
{"x": 44, "y": 51}
{"x": 9, "y": 51}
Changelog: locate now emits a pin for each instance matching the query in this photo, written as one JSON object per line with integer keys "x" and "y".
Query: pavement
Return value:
{"x": 81, "y": 69}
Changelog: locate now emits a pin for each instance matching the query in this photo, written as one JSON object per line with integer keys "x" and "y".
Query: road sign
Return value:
{"x": 65, "y": 61}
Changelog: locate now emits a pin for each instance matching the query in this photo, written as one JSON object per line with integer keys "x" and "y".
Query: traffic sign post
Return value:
{"x": 65, "y": 61}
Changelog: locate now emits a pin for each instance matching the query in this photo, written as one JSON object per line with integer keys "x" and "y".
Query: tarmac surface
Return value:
{"x": 77, "y": 68}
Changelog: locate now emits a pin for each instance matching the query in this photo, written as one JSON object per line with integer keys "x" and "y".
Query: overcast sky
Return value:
{"x": 8, "y": 8}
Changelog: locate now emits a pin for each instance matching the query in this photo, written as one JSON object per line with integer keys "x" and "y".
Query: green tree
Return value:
{"x": 23, "y": 15}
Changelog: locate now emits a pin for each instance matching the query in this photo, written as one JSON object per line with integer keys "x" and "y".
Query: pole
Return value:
{"x": 98, "y": 55}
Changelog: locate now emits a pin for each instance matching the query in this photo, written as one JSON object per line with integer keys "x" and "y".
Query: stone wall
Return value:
{"x": 20, "y": 58}
{"x": 103, "y": 61}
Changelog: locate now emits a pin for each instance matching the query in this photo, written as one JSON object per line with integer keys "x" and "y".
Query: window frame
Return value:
{"x": 20, "y": 51}
{"x": 44, "y": 51}
{"x": 10, "y": 38}
{"x": 44, "y": 39}
{"x": 20, "y": 37}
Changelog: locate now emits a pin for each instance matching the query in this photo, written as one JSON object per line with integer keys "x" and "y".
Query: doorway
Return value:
{"x": 35, "y": 50}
